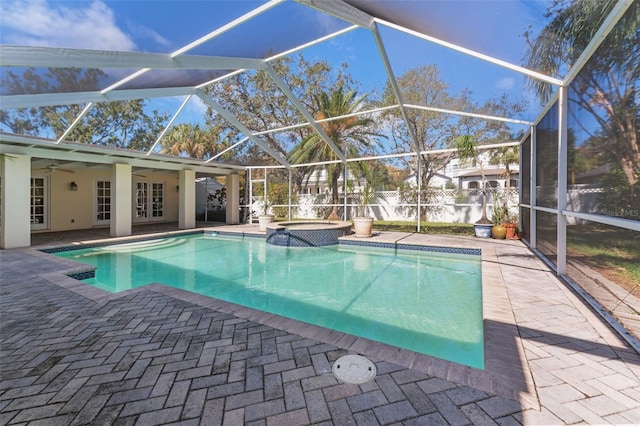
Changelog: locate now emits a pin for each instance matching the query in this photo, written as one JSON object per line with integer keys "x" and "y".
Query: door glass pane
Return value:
{"x": 157, "y": 196}
{"x": 38, "y": 202}
{"x": 141, "y": 200}
{"x": 103, "y": 200}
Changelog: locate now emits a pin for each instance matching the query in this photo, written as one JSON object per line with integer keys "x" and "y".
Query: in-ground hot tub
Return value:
{"x": 307, "y": 233}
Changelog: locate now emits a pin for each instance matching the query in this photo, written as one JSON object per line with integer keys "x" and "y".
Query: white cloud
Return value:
{"x": 506, "y": 83}
{"x": 39, "y": 23}
{"x": 196, "y": 107}
{"x": 144, "y": 32}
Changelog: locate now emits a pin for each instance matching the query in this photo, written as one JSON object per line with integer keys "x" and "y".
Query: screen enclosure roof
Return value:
{"x": 171, "y": 52}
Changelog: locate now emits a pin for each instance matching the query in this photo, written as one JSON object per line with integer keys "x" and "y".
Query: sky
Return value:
{"x": 493, "y": 27}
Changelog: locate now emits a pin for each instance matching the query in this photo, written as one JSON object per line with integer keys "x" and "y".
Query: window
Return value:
{"x": 473, "y": 185}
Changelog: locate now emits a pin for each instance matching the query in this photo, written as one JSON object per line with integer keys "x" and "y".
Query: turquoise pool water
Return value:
{"x": 422, "y": 301}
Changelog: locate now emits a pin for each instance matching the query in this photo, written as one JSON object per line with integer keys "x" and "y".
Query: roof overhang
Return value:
{"x": 47, "y": 148}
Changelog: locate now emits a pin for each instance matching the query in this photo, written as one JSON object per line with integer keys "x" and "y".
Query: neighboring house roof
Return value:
{"x": 412, "y": 177}
{"x": 601, "y": 170}
{"x": 210, "y": 183}
{"x": 500, "y": 172}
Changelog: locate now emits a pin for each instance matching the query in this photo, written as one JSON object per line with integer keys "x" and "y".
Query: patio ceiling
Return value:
{"x": 245, "y": 36}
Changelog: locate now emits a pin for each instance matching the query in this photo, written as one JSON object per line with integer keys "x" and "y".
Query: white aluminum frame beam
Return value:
{"x": 469, "y": 52}
{"x": 72, "y": 98}
{"x": 169, "y": 124}
{"x": 303, "y": 110}
{"x": 243, "y": 140}
{"x": 279, "y": 55}
{"x": 341, "y": 10}
{"x": 561, "y": 231}
{"x": 469, "y": 114}
{"x": 229, "y": 26}
{"x": 386, "y": 156}
{"x": 54, "y": 57}
{"x": 394, "y": 85}
{"x": 609, "y": 23}
{"x": 77, "y": 121}
{"x": 238, "y": 125}
{"x": 180, "y": 52}
{"x": 341, "y": 117}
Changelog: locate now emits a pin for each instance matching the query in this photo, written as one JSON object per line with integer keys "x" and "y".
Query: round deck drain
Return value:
{"x": 354, "y": 369}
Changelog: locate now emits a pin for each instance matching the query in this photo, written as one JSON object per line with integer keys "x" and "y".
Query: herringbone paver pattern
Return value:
{"x": 71, "y": 354}
{"x": 147, "y": 358}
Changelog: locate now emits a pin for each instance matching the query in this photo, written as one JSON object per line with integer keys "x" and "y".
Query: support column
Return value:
{"x": 187, "y": 197}
{"x": 15, "y": 223}
{"x": 121, "y": 200}
{"x": 233, "y": 200}
{"x": 561, "y": 257}
{"x": 533, "y": 233}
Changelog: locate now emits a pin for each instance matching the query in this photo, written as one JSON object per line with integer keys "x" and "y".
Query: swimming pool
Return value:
{"x": 421, "y": 301}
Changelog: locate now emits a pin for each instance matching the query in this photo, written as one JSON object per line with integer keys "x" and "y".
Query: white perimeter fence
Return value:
{"x": 440, "y": 205}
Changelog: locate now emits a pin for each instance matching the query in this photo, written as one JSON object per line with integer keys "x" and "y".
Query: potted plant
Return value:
{"x": 499, "y": 217}
{"x": 362, "y": 222}
{"x": 265, "y": 218}
{"x": 511, "y": 225}
{"x": 467, "y": 147}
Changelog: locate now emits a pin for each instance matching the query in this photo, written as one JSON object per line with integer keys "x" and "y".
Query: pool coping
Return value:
{"x": 506, "y": 370}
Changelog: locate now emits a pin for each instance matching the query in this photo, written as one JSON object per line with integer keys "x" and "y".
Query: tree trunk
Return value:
{"x": 334, "y": 194}
{"x": 629, "y": 154}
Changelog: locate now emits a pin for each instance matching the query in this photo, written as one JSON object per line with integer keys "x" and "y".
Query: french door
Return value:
{"x": 148, "y": 201}
{"x": 39, "y": 201}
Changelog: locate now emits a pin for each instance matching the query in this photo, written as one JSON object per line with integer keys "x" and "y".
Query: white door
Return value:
{"x": 148, "y": 201}
{"x": 141, "y": 202}
{"x": 102, "y": 211}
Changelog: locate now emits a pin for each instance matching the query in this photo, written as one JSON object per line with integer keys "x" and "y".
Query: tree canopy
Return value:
{"x": 436, "y": 130}
{"x": 122, "y": 124}
{"x": 352, "y": 135}
{"x": 603, "y": 96}
{"x": 193, "y": 141}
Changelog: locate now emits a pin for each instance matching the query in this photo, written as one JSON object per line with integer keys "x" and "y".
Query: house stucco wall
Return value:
{"x": 71, "y": 210}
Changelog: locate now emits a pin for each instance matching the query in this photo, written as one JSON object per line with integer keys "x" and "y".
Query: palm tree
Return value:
{"x": 467, "y": 147}
{"x": 351, "y": 134}
{"x": 606, "y": 88}
{"x": 506, "y": 155}
{"x": 191, "y": 140}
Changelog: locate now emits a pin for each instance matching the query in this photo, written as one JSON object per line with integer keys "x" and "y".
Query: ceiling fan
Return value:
{"x": 52, "y": 168}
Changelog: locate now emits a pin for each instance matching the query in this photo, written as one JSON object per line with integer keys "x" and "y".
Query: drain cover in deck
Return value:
{"x": 354, "y": 369}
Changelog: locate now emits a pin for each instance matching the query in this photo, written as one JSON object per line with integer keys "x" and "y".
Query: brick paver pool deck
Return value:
{"x": 73, "y": 354}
